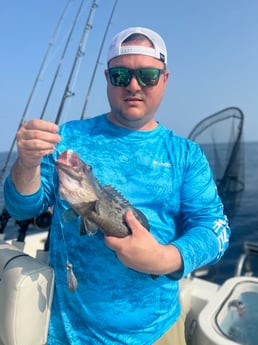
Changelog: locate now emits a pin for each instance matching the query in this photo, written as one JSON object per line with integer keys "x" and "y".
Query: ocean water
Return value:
{"x": 244, "y": 221}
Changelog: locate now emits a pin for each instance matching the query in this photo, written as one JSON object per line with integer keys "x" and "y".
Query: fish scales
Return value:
{"x": 100, "y": 207}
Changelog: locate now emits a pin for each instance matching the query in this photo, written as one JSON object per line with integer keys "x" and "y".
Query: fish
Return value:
{"x": 100, "y": 207}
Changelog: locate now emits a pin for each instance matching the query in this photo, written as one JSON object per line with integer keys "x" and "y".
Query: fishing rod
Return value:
{"x": 62, "y": 58}
{"x": 83, "y": 115}
{"x": 39, "y": 74}
{"x": 75, "y": 67}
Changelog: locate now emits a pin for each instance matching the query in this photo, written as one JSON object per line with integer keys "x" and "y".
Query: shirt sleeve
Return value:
{"x": 21, "y": 206}
{"x": 204, "y": 227}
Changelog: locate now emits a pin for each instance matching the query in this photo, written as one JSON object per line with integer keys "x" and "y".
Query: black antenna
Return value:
{"x": 83, "y": 115}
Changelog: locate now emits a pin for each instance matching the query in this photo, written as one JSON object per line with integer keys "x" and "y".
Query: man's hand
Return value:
{"x": 142, "y": 252}
{"x": 35, "y": 139}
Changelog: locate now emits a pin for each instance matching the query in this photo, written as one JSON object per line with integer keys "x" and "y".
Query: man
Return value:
{"x": 163, "y": 175}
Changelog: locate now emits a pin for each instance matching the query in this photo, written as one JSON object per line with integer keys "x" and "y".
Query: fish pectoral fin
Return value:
{"x": 87, "y": 227}
{"x": 70, "y": 216}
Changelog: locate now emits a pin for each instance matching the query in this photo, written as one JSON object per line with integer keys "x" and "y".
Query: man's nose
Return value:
{"x": 134, "y": 84}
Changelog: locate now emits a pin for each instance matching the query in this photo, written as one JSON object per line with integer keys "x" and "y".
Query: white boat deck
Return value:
{"x": 209, "y": 320}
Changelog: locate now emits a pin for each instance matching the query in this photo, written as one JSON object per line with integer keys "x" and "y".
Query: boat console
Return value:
{"x": 231, "y": 316}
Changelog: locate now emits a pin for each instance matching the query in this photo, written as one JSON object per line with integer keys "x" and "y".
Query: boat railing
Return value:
{"x": 244, "y": 265}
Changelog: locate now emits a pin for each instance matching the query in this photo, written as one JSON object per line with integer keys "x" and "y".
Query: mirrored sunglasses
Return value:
{"x": 146, "y": 77}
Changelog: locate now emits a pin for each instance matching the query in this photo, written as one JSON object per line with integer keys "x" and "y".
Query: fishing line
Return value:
{"x": 71, "y": 279}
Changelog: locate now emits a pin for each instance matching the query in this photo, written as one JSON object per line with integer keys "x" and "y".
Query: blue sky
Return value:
{"x": 212, "y": 58}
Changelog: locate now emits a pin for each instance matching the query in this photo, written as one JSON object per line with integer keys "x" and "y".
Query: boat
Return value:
{"x": 225, "y": 314}
{"x": 216, "y": 314}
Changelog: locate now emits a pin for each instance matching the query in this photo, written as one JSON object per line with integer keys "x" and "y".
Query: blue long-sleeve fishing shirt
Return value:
{"x": 168, "y": 178}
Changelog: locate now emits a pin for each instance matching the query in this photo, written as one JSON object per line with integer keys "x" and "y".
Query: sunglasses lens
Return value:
{"x": 147, "y": 76}
{"x": 120, "y": 76}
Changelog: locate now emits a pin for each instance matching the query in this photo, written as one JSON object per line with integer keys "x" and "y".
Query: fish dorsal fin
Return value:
{"x": 113, "y": 194}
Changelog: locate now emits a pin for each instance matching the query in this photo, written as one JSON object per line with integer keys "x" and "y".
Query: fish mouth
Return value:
{"x": 70, "y": 163}
{"x": 69, "y": 158}
{"x": 75, "y": 179}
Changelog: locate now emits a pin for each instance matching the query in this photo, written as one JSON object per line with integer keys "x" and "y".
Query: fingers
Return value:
{"x": 35, "y": 139}
{"x": 41, "y": 125}
{"x": 137, "y": 230}
{"x": 37, "y": 135}
{"x": 113, "y": 243}
{"x": 38, "y": 129}
{"x": 131, "y": 221}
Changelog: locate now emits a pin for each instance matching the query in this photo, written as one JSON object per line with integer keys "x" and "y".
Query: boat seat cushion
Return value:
{"x": 26, "y": 290}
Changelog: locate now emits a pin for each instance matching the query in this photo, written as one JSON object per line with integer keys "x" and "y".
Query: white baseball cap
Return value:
{"x": 158, "y": 51}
